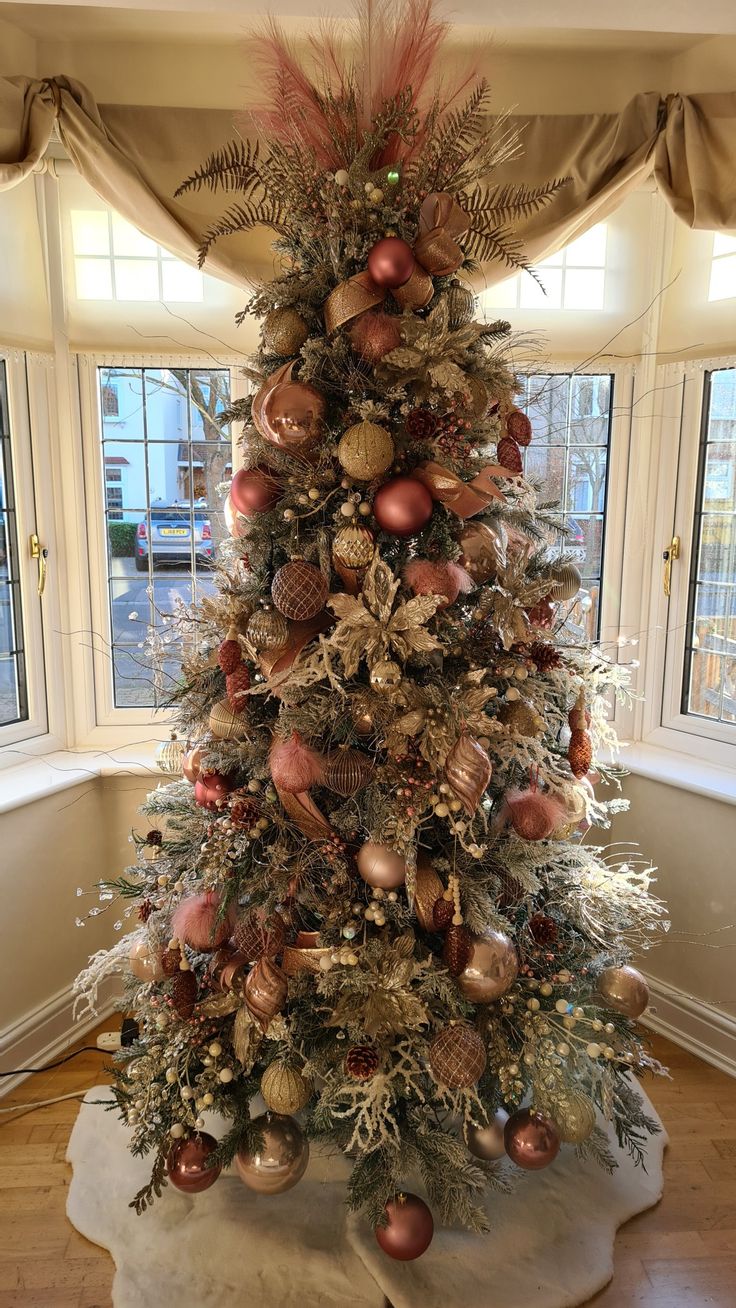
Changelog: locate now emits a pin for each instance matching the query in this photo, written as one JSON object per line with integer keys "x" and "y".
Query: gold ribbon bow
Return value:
{"x": 465, "y": 498}
{"x": 436, "y": 254}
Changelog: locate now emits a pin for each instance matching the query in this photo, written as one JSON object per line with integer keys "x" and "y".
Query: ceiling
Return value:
{"x": 652, "y": 27}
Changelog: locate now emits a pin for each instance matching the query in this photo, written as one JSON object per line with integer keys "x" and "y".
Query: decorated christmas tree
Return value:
{"x": 368, "y": 900}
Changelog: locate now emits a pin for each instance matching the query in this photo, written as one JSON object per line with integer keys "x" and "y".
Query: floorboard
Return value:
{"x": 681, "y": 1254}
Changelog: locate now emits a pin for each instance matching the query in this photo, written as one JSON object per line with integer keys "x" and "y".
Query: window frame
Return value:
{"x": 121, "y": 725}
{"x": 660, "y": 721}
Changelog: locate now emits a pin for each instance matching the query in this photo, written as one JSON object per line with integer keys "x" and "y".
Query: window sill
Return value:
{"x": 681, "y": 770}
{"x": 48, "y": 775}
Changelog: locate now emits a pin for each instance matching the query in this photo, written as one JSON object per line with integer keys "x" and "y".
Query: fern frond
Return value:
{"x": 503, "y": 203}
{"x": 241, "y": 218}
{"x": 233, "y": 168}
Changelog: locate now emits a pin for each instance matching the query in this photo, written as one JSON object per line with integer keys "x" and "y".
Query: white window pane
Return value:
{"x": 90, "y": 231}
{"x": 723, "y": 278}
{"x": 503, "y": 296}
{"x": 723, "y": 244}
{"x": 136, "y": 279}
{"x": 534, "y": 297}
{"x": 127, "y": 240}
{"x": 589, "y": 249}
{"x": 584, "y": 288}
{"x": 180, "y": 282}
{"x": 93, "y": 278}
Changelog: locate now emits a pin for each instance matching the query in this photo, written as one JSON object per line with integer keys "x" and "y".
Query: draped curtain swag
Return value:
{"x": 135, "y": 157}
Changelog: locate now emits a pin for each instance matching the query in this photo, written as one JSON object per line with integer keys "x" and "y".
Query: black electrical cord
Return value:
{"x": 26, "y": 1071}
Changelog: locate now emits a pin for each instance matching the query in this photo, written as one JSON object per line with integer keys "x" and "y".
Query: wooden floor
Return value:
{"x": 681, "y": 1254}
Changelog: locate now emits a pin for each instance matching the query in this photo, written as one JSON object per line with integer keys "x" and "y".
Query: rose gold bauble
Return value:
{"x": 624, "y": 990}
{"x": 186, "y": 1165}
{"x": 288, "y": 413}
{"x": 402, "y": 506}
{"x": 234, "y": 521}
{"x": 374, "y": 334}
{"x": 279, "y": 1161}
{"x": 409, "y": 1230}
{"x": 483, "y": 550}
{"x": 192, "y": 764}
{"x": 299, "y": 590}
{"x": 211, "y": 790}
{"x": 531, "y": 1140}
{"x": 491, "y": 969}
{"x": 487, "y": 1142}
{"x": 468, "y": 771}
{"x": 427, "y": 890}
{"x": 254, "y": 490}
{"x": 457, "y": 1056}
{"x": 380, "y": 866}
{"x": 143, "y": 964}
{"x": 391, "y": 262}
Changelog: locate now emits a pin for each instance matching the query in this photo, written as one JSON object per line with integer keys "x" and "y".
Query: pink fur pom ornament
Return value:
{"x": 294, "y": 766}
{"x": 197, "y": 921}
{"x": 448, "y": 579}
{"x": 534, "y": 814}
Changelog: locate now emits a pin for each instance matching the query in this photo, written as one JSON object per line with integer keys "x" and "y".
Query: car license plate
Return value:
{"x": 174, "y": 531}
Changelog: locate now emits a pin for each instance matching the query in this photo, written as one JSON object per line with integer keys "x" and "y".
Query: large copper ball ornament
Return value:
{"x": 288, "y": 413}
{"x": 491, "y": 969}
{"x": 402, "y": 506}
{"x": 531, "y": 1140}
{"x": 373, "y": 335}
{"x": 624, "y": 990}
{"x": 254, "y": 490}
{"x": 409, "y": 1230}
{"x": 186, "y": 1165}
{"x": 192, "y": 764}
{"x": 143, "y": 964}
{"x": 279, "y": 1161}
{"x": 487, "y": 1142}
{"x": 391, "y": 262}
{"x": 211, "y": 790}
{"x": 381, "y": 866}
{"x": 483, "y": 550}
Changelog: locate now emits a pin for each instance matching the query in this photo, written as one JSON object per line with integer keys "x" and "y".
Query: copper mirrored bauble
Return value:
{"x": 491, "y": 969}
{"x": 381, "y": 866}
{"x": 288, "y": 413}
{"x": 409, "y": 1230}
{"x": 531, "y": 1140}
{"x": 624, "y": 990}
{"x": 145, "y": 965}
{"x": 483, "y": 550}
{"x": 279, "y": 1161}
{"x": 186, "y": 1165}
{"x": 487, "y": 1141}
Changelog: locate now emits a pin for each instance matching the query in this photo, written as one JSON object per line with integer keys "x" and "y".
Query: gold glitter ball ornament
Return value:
{"x": 225, "y": 724}
{"x": 284, "y": 332}
{"x": 299, "y": 590}
{"x": 574, "y": 1116}
{"x": 522, "y": 717}
{"x": 267, "y": 629}
{"x": 353, "y": 546}
{"x": 385, "y": 675}
{"x": 365, "y": 451}
{"x": 457, "y": 1056}
{"x": 284, "y": 1090}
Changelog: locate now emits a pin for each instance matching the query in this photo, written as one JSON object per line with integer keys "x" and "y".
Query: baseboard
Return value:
{"x": 49, "y": 1030}
{"x": 698, "y": 1027}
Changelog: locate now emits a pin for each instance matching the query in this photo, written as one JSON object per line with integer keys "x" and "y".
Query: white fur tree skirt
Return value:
{"x": 551, "y": 1245}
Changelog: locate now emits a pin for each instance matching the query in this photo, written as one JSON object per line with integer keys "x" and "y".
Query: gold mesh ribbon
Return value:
{"x": 437, "y": 254}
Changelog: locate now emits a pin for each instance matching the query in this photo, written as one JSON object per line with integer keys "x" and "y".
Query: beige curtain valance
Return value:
{"x": 134, "y": 158}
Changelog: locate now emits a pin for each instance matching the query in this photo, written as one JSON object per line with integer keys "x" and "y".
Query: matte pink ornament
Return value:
{"x": 254, "y": 490}
{"x": 295, "y": 766}
{"x": 186, "y": 1165}
{"x": 534, "y": 814}
{"x": 409, "y": 1230}
{"x": 381, "y": 866}
{"x": 391, "y": 262}
{"x": 447, "y": 579}
{"x": 199, "y": 923}
{"x": 211, "y": 789}
{"x": 402, "y": 506}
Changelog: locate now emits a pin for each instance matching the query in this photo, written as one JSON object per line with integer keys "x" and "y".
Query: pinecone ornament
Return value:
{"x": 237, "y": 683}
{"x": 443, "y": 913}
{"x": 184, "y": 993}
{"x": 509, "y": 455}
{"x": 544, "y": 656}
{"x": 145, "y": 910}
{"x": 518, "y": 427}
{"x": 362, "y": 1062}
{"x": 229, "y": 655}
{"x": 580, "y": 753}
{"x": 244, "y": 811}
{"x": 456, "y": 950}
{"x": 543, "y": 929}
{"x": 170, "y": 960}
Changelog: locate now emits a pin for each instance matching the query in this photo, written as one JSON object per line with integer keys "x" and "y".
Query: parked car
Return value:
{"x": 171, "y": 537}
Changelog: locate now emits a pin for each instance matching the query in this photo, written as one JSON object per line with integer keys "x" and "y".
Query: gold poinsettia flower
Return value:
{"x": 372, "y": 626}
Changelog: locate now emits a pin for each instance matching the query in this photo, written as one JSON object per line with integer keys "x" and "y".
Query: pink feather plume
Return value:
{"x": 295, "y": 766}
{"x": 197, "y": 921}
{"x": 448, "y": 579}
{"x": 534, "y": 814}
